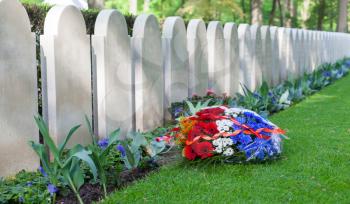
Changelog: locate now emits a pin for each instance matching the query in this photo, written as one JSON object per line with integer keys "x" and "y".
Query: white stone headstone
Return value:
{"x": 284, "y": 37}
{"x": 267, "y": 52}
{"x": 66, "y": 74}
{"x": 18, "y": 90}
{"x": 149, "y": 75}
{"x": 294, "y": 64}
{"x": 247, "y": 72}
{"x": 275, "y": 55}
{"x": 257, "y": 51}
{"x": 231, "y": 59}
{"x": 175, "y": 61}
{"x": 197, "y": 47}
{"x": 112, "y": 74}
{"x": 80, "y": 4}
{"x": 302, "y": 52}
{"x": 216, "y": 57}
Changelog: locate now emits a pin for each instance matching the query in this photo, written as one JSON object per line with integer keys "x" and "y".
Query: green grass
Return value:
{"x": 315, "y": 167}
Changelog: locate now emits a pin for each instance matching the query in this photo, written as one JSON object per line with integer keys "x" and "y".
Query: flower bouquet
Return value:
{"x": 229, "y": 135}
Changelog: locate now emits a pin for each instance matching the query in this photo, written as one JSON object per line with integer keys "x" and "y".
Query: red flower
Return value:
{"x": 208, "y": 128}
{"x": 214, "y": 111}
{"x": 203, "y": 149}
{"x": 194, "y": 132}
{"x": 189, "y": 153}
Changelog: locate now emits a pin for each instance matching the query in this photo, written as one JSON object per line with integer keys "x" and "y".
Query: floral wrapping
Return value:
{"x": 231, "y": 134}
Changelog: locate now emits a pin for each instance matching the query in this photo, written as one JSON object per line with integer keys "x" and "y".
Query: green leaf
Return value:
{"x": 76, "y": 174}
{"x": 284, "y": 97}
{"x": 264, "y": 89}
{"x": 63, "y": 145}
{"x": 47, "y": 138}
{"x": 42, "y": 153}
{"x": 84, "y": 156}
{"x": 93, "y": 137}
{"x": 191, "y": 107}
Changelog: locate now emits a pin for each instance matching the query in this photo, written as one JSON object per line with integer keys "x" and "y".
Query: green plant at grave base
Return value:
{"x": 64, "y": 166}
{"x": 101, "y": 151}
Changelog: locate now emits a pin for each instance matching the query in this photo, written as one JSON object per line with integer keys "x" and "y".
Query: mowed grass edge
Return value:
{"x": 314, "y": 168}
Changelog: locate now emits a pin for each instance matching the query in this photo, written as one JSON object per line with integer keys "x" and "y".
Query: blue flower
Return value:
{"x": 259, "y": 149}
{"x": 121, "y": 149}
{"x": 103, "y": 143}
{"x": 178, "y": 111}
{"x": 42, "y": 171}
{"x": 327, "y": 74}
{"x": 241, "y": 120}
{"x": 21, "y": 199}
{"x": 52, "y": 189}
{"x": 29, "y": 184}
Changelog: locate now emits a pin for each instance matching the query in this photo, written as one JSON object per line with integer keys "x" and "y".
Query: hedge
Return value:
{"x": 37, "y": 14}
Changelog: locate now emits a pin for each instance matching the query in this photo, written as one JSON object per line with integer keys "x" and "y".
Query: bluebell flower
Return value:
{"x": 327, "y": 74}
{"x": 29, "y": 184}
{"x": 52, "y": 189}
{"x": 21, "y": 199}
{"x": 259, "y": 148}
{"x": 256, "y": 95}
{"x": 121, "y": 149}
{"x": 103, "y": 143}
{"x": 42, "y": 171}
{"x": 270, "y": 94}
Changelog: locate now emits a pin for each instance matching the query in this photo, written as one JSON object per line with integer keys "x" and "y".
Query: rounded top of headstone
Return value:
{"x": 295, "y": 33}
{"x": 255, "y": 31}
{"x": 195, "y": 27}
{"x": 242, "y": 29}
{"x": 172, "y": 25}
{"x": 110, "y": 20}
{"x": 145, "y": 25}
{"x": 230, "y": 30}
{"x": 13, "y": 9}
{"x": 215, "y": 30}
{"x": 64, "y": 19}
{"x": 80, "y": 4}
{"x": 265, "y": 32}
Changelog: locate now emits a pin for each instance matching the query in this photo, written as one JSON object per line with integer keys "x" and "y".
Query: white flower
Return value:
{"x": 218, "y": 149}
{"x": 224, "y": 125}
{"x": 227, "y": 142}
{"x": 228, "y": 152}
{"x": 217, "y": 142}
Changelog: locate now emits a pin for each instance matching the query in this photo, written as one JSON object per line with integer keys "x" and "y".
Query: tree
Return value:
{"x": 305, "y": 13}
{"x": 133, "y": 7}
{"x": 290, "y": 10}
{"x": 256, "y": 12}
{"x": 96, "y": 4}
{"x": 342, "y": 25}
{"x": 321, "y": 14}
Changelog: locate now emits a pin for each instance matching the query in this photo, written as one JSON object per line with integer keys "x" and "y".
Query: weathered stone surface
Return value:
{"x": 275, "y": 55}
{"x": 216, "y": 57}
{"x": 197, "y": 47}
{"x": 231, "y": 59}
{"x": 301, "y": 53}
{"x": 18, "y": 90}
{"x": 257, "y": 53}
{"x": 149, "y": 75}
{"x": 66, "y": 74}
{"x": 267, "y": 52}
{"x": 294, "y": 64}
{"x": 112, "y": 74}
{"x": 246, "y": 72}
{"x": 175, "y": 63}
{"x": 284, "y": 37}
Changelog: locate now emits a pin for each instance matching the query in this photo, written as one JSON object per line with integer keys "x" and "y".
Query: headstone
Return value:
{"x": 275, "y": 55}
{"x": 216, "y": 57}
{"x": 302, "y": 52}
{"x": 246, "y": 73}
{"x": 198, "y": 57}
{"x": 284, "y": 37}
{"x": 149, "y": 75}
{"x": 231, "y": 59}
{"x": 112, "y": 74}
{"x": 257, "y": 54}
{"x": 18, "y": 90}
{"x": 294, "y": 54}
{"x": 80, "y": 4}
{"x": 175, "y": 62}
{"x": 66, "y": 74}
{"x": 267, "y": 52}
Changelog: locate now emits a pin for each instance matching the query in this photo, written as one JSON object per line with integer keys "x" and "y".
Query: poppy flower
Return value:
{"x": 214, "y": 111}
{"x": 189, "y": 153}
{"x": 203, "y": 149}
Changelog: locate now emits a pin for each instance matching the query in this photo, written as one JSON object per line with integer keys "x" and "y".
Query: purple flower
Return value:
{"x": 103, "y": 143}
{"x": 21, "y": 199}
{"x": 29, "y": 184}
{"x": 121, "y": 149}
{"x": 52, "y": 189}
{"x": 42, "y": 171}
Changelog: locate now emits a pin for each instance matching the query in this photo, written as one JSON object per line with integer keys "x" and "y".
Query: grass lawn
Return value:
{"x": 315, "y": 167}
